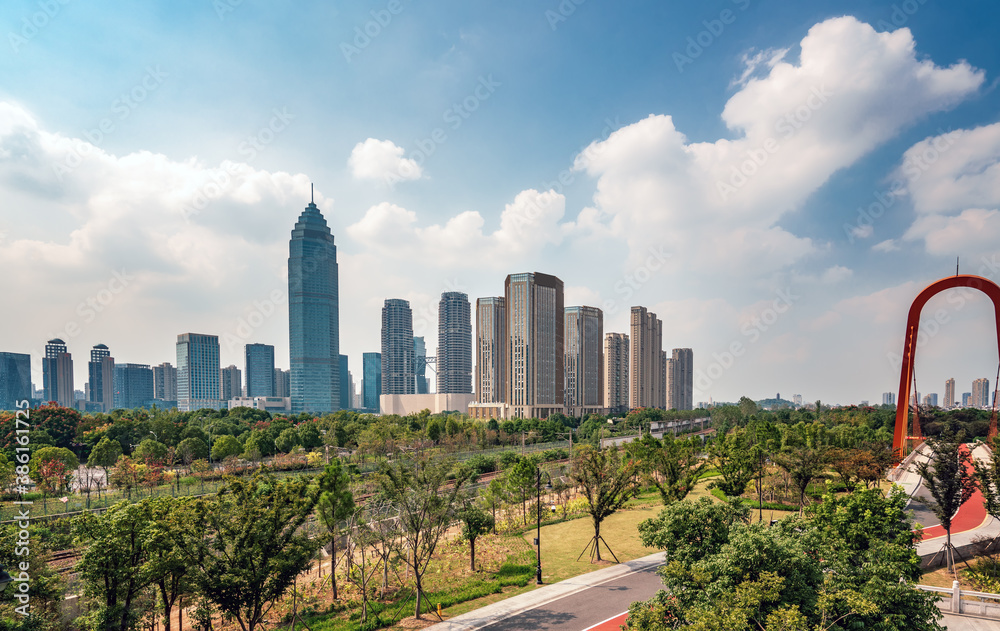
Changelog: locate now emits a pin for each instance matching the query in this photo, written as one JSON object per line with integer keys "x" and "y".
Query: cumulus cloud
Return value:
{"x": 382, "y": 160}
{"x": 889, "y": 245}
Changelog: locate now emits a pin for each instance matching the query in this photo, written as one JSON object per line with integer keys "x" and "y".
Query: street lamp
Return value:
{"x": 5, "y": 578}
{"x": 538, "y": 520}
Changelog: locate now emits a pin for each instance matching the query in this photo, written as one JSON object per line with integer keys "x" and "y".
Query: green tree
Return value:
{"x": 607, "y": 480}
{"x": 168, "y": 564}
{"x": 950, "y": 479}
{"x": 434, "y": 430}
{"x": 309, "y": 436}
{"x": 52, "y": 468}
{"x": 520, "y": 482}
{"x": 735, "y": 460}
{"x": 336, "y": 504}
{"x": 261, "y": 442}
{"x": 226, "y": 446}
{"x": 191, "y": 449}
{"x": 493, "y": 498}
{"x": 245, "y": 546}
{"x": 426, "y": 507}
{"x": 475, "y": 523}
{"x": 803, "y": 465}
{"x": 45, "y": 588}
{"x": 104, "y": 455}
{"x": 689, "y": 531}
{"x": 150, "y": 450}
{"x": 287, "y": 440}
{"x": 676, "y": 466}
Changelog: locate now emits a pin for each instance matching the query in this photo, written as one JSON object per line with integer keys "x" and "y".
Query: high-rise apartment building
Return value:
{"x": 313, "y": 315}
{"x": 57, "y": 373}
{"x": 535, "y": 347}
{"x": 259, "y": 365}
{"x": 15, "y": 380}
{"x": 282, "y": 383}
{"x": 345, "y": 384}
{"x": 230, "y": 383}
{"x": 981, "y": 393}
{"x": 197, "y": 372}
{"x": 888, "y": 398}
{"x": 420, "y": 364}
{"x": 616, "y": 365}
{"x": 966, "y": 399}
{"x": 949, "y": 394}
{"x": 583, "y": 353}
{"x": 680, "y": 380}
{"x": 491, "y": 350}
{"x": 931, "y": 399}
{"x": 101, "y": 378}
{"x": 165, "y": 382}
{"x": 133, "y": 386}
{"x": 397, "y": 348}
{"x": 371, "y": 383}
{"x": 648, "y": 361}
{"x": 454, "y": 351}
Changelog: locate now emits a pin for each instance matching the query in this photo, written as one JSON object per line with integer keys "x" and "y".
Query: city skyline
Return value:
{"x": 634, "y": 152}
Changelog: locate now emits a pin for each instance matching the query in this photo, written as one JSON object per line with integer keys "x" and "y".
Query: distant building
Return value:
{"x": 616, "y": 347}
{"x": 15, "y": 380}
{"x": 454, "y": 350}
{"x": 647, "y": 360}
{"x": 420, "y": 364}
{"x": 282, "y": 383}
{"x": 197, "y": 372}
{"x": 230, "y": 383}
{"x": 680, "y": 386}
{"x": 535, "y": 347}
{"x": 133, "y": 386}
{"x": 345, "y": 384}
{"x": 949, "y": 394}
{"x": 269, "y": 404}
{"x": 931, "y": 399}
{"x": 397, "y": 348}
{"x": 404, "y": 404}
{"x": 100, "y": 380}
{"x": 258, "y": 361}
{"x": 371, "y": 383}
{"x": 797, "y": 400}
{"x": 491, "y": 350}
{"x": 888, "y": 398}
{"x": 966, "y": 399}
{"x": 57, "y": 373}
{"x": 165, "y": 382}
{"x": 981, "y": 393}
{"x": 313, "y": 315}
{"x": 583, "y": 352}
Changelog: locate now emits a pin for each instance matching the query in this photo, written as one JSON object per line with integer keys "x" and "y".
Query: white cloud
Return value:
{"x": 863, "y": 231}
{"x": 889, "y": 245}
{"x": 382, "y": 160}
{"x": 836, "y": 274}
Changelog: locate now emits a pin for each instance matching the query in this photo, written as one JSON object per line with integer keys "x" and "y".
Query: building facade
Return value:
{"x": 15, "y": 380}
{"x": 97, "y": 390}
{"x": 198, "y": 372}
{"x": 259, "y": 365}
{"x": 282, "y": 383}
{"x": 165, "y": 382}
{"x": 949, "y": 394}
{"x": 981, "y": 393}
{"x": 313, "y": 315}
{"x": 345, "y": 384}
{"x": 133, "y": 386}
{"x": 888, "y": 398}
{"x": 420, "y": 364}
{"x": 616, "y": 348}
{"x": 535, "y": 359}
{"x": 583, "y": 354}
{"x": 57, "y": 374}
{"x": 454, "y": 351}
{"x": 680, "y": 380}
{"x": 491, "y": 350}
{"x": 230, "y": 383}
{"x": 371, "y": 382}
{"x": 397, "y": 348}
{"x": 648, "y": 361}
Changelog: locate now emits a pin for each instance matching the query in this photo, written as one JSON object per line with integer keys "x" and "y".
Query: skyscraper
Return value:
{"x": 57, "y": 373}
{"x": 345, "y": 384}
{"x": 491, "y": 350}
{"x": 197, "y": 372}
{"x": 313, "y": 315}
{"x": 949, "y": 394}
{"x": 647, "y": 360}
{"x": 981, "y": 393}
{"x": 259, "y": 365}
{"x": 616, "y": 372}
{"x": 15, "y": 380}
{"x": 583, "y": 351}
{"x": 454, "y": 351}
{"x": 371, "y": 383}
{"x": 282, "y": 385}
{"x": 133, "y": 385}
{"x": 680, "y": 387}
{"x": 888, "y": 398}
{"x": 535, "y": 352}
{"x": 230, "y": 383}
{"x": 966, "y": 399}
{"x": 420, "y": 364}
{"x": 165, "y": 382}
{"x": 397, "y": 348}
{"x": 100, "y": 373}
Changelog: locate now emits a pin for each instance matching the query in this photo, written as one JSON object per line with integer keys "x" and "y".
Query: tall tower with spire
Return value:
{"x": 313, "y": 315}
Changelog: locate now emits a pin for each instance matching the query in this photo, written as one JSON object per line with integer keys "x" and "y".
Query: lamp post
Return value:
{"x": 538, "y": 521}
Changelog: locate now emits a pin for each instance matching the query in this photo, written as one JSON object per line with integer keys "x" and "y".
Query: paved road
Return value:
{"x": 586, "y": 608}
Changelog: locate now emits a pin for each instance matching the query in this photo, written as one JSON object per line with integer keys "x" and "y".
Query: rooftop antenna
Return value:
{"x": 956, "y": 266}
{"x": 312, "y": 196}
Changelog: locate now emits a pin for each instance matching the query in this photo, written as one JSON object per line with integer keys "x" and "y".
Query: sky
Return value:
{"x": 775, "y": 180}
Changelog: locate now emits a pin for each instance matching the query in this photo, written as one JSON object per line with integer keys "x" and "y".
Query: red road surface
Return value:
{"x": 611, "y": 624}
{"x": 970, "y": 516}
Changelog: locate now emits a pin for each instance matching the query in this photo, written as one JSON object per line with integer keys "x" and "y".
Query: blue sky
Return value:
{"x": 706, "y": 160}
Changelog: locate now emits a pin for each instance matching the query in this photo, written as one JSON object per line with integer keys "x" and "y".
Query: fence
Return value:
{"x": 960, "y": 601}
